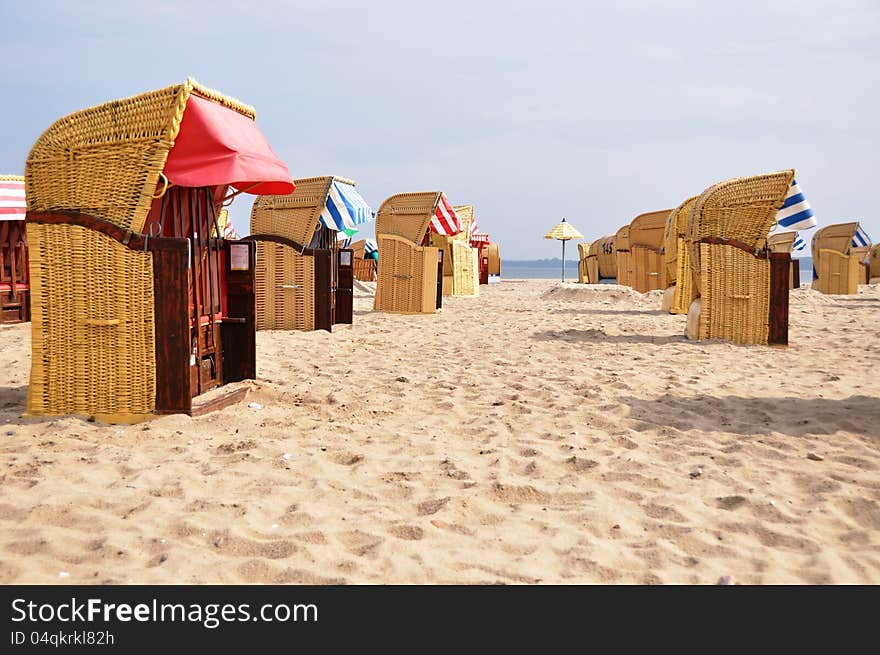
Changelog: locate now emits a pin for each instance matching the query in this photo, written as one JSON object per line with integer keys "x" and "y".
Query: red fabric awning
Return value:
{"x": 217, "y": 146}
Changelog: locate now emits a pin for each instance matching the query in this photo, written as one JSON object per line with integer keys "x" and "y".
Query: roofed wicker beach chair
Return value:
{"x": 461, "y": 274}
{"x": 623, "y": 256}
{"x": 785, "y": 242}
{"x": 136, "y": 308}
{"x": 839, "y": 253}
{"x": 681, "y": 288}
{"x": 646, "y": 251}
{"x": 411, "y": 271}
{"x": 365, "y": 256}
{"x": 606, "y": 259}
{"x": 742, "y": 286}
{"x": 304, "y": 280}
{"x": 492, "y": 252}
{"x": 583, "y": 255}
{"x": 874, "y": 264}
{"x": 14, "y": 276}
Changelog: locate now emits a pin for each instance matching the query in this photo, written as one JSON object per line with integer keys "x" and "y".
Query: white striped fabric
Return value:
{"x": 229, "y": 231}
{"x": 445, "y": 221}
{"x": 13, "y": 205}
{"x": 795, "y": 213}
{"x": 799, "y": 244}
{"x": 370, "y": 247}
{"x": 473, "y": 227}
{"x": 344, "y": 208}
{"x": 861, "y": 238}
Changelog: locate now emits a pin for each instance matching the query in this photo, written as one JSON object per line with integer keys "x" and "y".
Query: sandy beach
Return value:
{"x": 541, "y": 433}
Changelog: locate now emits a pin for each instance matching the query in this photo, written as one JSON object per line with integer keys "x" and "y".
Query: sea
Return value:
{"x": 544, "y": 269}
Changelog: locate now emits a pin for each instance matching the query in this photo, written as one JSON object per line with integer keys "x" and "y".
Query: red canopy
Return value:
{"x": 218, "y": 146}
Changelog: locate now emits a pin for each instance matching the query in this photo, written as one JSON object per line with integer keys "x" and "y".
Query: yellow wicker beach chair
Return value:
{"x": 646, "y": 251}
{"x": 743, "y": 287}
{"x": 874, "y": 264}
{"x": 410, "y": 271}
{"x": 303, "y": 280}
{"x": 136, "y": 308}
{"x": 623, "y": 256}
{"x": 783, "y": 242}
{"x": 364, "y": 267}
{"x": 606, "y": 259}
{"x": 583, "y": 264}
{"x": 679, "y": 278}
{"x": 14, "y": 277}
{"x": 493, "y": 253}
{"x": 839, "y": 265}
{"x": 460, "y": 275}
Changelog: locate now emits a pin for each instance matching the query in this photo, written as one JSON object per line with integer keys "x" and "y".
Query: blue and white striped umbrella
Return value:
{"x": 795, "y": 213}
{"x": 345, "y": 208}
{"x": 861, "y": 238}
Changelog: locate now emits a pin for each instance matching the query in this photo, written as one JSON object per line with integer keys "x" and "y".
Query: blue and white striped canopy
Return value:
{"x": 344, "y": 208}
{"x": 370, "y": 247}
{"x": 799, "y": 244}
{"x": 861, "y": 238}
{"x": 795, "y": 213}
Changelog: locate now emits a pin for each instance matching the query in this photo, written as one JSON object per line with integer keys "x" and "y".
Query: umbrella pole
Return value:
{"x": 563, "y": 260}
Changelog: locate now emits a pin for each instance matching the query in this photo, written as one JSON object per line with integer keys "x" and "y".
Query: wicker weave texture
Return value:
{"x": 735, "y": 295}
{"x": 836, "y": 237}
{"x": 838, "y": 273}
{"x": 284, "y": 288}
{"x": 583, "y": 254}
{"x": 743, "y": 209}
{"x": 106, "y": 161}
{"x": 466, "y": 215}
{"x": 466, "y": 271}
{"x": 648, "y": 269}
{"x": 685, "y": 287}
{"x": 607, "y": 259}
{"x": 92, "y": 330}
{"x": 407, "y": 281}
{"x": 874, "y": 263}
{"x": 294, "y": 216}
{"x": 407, "y": 215}
{"x": 781, "y": 241}
{"x": 673, "y": 234}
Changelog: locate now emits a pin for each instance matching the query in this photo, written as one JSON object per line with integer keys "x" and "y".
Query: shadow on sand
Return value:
{"x": 797, "y": 417}
{"x": 598, "y": 336}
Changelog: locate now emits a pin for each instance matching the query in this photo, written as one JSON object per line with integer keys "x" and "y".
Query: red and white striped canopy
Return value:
{"x": 13, "y": 205}
{"x": 445, "y": 221}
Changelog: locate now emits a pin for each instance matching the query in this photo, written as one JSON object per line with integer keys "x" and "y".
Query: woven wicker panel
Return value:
{"x": 685, "y": 287}
{"x": 106, "y": 161}
{"x": 838, "y": 273}
{"x": 621, "y": 256}
{"x": 466, "y": 214}
{"x": 92, "y": 327}
{"x": 466, "y": 273}
{"x": 874, "y": 262}
{"x": 607, "y": 259}
{"x": 742, "y": 208}
{"x": 359, "y": 248}
{"x": 648, "y": 269}
{"x": 407, "y": 282}
{"x": 284, "y": 288}
{"x": 735, "y": 295}
{"x": 593, "y": 266}
{"x": 583, "y": 253}
{"x": 407, "y": 215}
{"x": 674, "y": 230}
{"x": 781, "y": 242}
{"x": 647, "y": 229}
{"x": 445, "y": 244}
{"x": 295, "y": 215}
{"x": 837, "y": 237}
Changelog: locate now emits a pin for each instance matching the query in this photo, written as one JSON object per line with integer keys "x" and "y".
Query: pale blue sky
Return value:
{"x": 531, "y": 111}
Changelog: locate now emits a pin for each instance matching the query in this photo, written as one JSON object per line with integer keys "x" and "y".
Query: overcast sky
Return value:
{"x": 531, "y": 111}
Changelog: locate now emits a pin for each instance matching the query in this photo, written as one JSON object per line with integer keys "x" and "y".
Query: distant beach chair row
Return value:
{"x": 143, "y": 301}
{"x": 719, "y": 262}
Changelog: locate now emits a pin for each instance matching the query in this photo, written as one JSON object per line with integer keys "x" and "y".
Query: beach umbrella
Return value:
{"x": 563, "y": 232}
